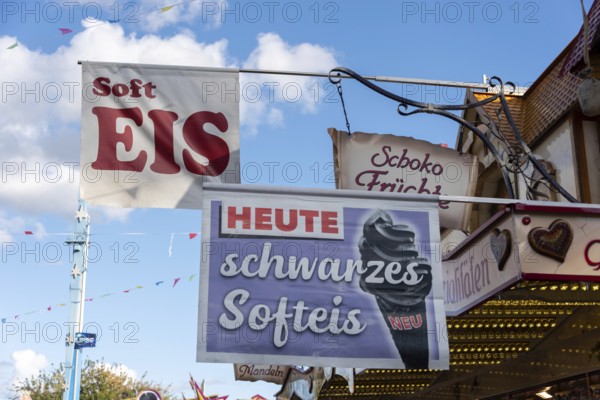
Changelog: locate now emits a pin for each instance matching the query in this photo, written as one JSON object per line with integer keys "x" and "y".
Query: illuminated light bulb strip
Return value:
{"x": 526, "y": 310}
{"x": 499, "y": 323}
{"x": 490, "y": 348}
{"x": 482, "y": 356}
{"x": 563, "y": 286}
{"x": 500, "y": 336}
{"x": 475, "y": 363}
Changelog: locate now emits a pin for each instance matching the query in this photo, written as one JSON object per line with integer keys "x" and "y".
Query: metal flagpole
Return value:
{"x": 378, "y": 78}
{"x": 80, "y": 244}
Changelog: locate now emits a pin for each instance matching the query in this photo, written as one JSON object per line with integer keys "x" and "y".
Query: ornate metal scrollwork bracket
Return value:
{"x": 514, "y": 159}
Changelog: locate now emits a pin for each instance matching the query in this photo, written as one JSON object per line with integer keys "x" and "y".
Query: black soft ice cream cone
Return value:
{"x": 401, "y": 301}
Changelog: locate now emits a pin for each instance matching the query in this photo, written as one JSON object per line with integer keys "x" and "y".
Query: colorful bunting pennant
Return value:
{"x": 12, "y": 46}
{"x": 65, "y": 31}
{"x": 90, "y": 299}
{"x": 50, "y": 234}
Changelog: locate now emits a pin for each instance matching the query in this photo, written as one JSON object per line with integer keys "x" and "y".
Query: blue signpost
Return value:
{"x": 75, "y": 339}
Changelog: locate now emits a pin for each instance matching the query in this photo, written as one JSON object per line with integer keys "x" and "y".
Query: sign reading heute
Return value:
{"x": 152, "y": 135}
{"x": 389, "y": 163}
{"x": 356, "y": 282}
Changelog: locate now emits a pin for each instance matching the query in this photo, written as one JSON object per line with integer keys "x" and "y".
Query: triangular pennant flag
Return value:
{"x": 175, "y": 281}
{"x": 191, "y": 277}
{"x": 126, "y": 291}
{"x": 65, "y": 31}
{"x": 193, "y": 235}
{"x": 165, "y": 9}
{"x": 199, "y": 389}
{"x": 159, "y": 282}
{"x": 106, "y": 295}
{"x": 12, "y": 46}
{"x": 139, "y": 287}
{"x": 49, "y": 308}
{"x": 28, "y": 232}
{"x": 89, "y": 299}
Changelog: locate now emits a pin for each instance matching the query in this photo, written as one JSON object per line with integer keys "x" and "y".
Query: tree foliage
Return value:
{"x": 99, "y": 381}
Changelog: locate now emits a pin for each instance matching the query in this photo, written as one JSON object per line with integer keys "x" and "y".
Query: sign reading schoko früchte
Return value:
{"x": 389, "y": 163}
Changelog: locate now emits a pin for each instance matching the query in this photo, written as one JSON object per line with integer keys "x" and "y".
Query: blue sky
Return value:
{"x": 283, "y": 142}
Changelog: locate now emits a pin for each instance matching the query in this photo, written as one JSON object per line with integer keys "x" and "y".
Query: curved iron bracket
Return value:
{"x": 516, "y": 156}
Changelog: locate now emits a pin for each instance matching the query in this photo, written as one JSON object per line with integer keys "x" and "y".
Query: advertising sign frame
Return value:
{"x": 315, "y": 304}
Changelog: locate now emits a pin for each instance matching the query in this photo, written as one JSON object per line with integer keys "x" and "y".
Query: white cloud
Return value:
{"x": 110, "y": 213}
{"x": 275, "y": 117}
{"x": 39, "y": 123}
{"x": 149, "y": 15}
{"x": 28, "y": 363}
{"x": 155, "y": 18}
{"x": 120, "y": 369}
{"x": 273, "y": 53}
{"x": 23, "y": 364}
{"x": 18, "y": 225}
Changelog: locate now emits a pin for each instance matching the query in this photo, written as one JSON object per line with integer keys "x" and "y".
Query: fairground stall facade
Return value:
{"x": 522, "y": 285}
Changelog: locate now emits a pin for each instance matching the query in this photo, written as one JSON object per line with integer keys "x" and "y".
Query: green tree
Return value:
{"x": 99, "y": 381}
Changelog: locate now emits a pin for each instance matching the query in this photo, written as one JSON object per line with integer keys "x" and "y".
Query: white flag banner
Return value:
{"x": 152, "y": 135}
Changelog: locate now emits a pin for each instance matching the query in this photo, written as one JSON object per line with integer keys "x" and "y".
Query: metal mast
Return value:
{"x": 80, "y": 244}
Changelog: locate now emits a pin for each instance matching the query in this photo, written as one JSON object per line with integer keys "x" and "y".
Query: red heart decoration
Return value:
{"x": 553, "y": 242}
